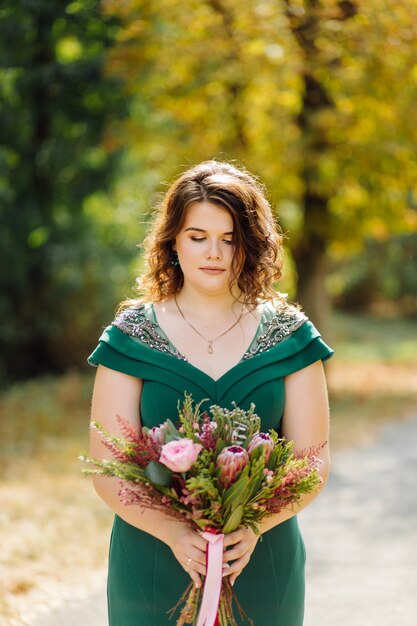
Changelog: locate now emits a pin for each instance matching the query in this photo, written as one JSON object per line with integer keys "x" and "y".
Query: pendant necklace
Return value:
{"x": 209, "y": 341}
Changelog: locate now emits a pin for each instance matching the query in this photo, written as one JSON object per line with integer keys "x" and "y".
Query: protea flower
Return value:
{"x": 230, "y": 463}
{"x": 264, "y": 440}
{"x": 157, "y": 434}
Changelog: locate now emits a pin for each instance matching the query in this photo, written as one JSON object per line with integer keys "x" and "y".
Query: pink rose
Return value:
{"x": 180, "y": 455}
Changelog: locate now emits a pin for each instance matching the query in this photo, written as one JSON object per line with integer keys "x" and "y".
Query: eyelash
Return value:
{"x": 228, "y": 241}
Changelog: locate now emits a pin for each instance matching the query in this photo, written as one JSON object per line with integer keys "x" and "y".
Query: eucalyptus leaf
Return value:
{"x": 158, "y": 473}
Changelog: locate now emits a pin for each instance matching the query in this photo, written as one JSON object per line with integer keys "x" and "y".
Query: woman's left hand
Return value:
{"x": 243, "y": 542}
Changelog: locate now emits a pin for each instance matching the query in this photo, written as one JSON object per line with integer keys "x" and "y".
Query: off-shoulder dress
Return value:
{"x": 144, "y": 578}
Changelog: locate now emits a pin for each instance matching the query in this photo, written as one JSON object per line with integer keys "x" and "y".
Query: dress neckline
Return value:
{"x": 275, "y": 327}
{"x": 151, "y": 310}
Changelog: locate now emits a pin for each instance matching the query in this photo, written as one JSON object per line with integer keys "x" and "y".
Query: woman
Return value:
{"x": 210, "y": 323}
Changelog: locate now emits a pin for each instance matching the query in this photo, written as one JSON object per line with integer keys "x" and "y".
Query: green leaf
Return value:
{"x": 257, "y": 453}
{"x": 233, "y": 520}
{"x": 236, "y": 494}
{"x": 158, "y": 473}
{"x": 203, "y": 523}
{"x": 219, "y": 446}
{"x": 255, "y": 480}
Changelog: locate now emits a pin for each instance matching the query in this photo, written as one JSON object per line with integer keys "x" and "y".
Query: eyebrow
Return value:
{"x": 201, "y": 230}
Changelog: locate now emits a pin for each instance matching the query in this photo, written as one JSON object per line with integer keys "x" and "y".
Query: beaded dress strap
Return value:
{"x": 278, "y": 328}
{"x": 134, "y": 322}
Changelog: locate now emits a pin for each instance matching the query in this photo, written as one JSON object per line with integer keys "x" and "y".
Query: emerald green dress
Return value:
{"x": 144, "y": 578}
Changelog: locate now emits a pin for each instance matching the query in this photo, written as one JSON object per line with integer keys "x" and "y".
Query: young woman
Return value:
{"x": 209, "y": 322}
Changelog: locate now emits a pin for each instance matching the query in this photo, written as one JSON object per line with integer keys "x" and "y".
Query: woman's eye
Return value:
{"x": 228, "y": 241}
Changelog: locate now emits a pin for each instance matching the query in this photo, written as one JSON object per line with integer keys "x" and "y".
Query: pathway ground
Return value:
{"x": 361, "y": 539}
{"x": 361, "y": 536}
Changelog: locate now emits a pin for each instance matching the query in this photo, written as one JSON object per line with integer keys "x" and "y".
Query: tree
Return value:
{"x": 356, "y": 140}
{"x": 55, "y": 106}
{"x": 316, "y": 96}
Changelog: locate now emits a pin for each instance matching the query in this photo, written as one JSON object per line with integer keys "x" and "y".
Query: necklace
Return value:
{"x": 209, "y": 341}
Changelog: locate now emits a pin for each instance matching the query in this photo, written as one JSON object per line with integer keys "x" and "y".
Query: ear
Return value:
{"x": 174, "y": 245}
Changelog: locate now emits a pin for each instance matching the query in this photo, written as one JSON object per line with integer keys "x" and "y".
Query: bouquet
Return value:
{"x": 217, "y": 472}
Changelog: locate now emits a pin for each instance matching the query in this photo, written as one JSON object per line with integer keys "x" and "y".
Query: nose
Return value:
{"x": 213, "y": 251}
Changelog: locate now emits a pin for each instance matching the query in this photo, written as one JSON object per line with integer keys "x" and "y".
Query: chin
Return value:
{"x": 211, "y": 287}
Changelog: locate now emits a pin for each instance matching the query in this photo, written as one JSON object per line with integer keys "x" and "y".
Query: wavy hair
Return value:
{"x": 258, "y": 256}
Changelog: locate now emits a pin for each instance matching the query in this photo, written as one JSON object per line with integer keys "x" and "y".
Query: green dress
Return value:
{"x": 144, "y": 578}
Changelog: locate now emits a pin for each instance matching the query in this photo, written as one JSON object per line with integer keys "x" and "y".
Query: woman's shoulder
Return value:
{"x": 134, "y": 317}
{"x": 281, "y": 313}
{"x": 138, "y": 322}
{"x": 287, "y": 335}
{"x": 131, "y": 339}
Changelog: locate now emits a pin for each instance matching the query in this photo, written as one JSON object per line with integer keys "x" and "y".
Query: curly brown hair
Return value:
{"x": 258, "y": 257}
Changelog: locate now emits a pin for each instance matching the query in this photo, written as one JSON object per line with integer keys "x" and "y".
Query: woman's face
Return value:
{"x": 205, "y": 247}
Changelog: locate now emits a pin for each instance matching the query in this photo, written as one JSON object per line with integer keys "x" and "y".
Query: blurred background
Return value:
{"x": 103, "y": 104}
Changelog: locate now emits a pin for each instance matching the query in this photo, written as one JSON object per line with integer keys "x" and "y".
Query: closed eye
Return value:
{"x": 228, "y": 241}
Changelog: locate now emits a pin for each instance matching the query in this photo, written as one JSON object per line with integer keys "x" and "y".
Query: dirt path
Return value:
{"x": 361, "y": 538}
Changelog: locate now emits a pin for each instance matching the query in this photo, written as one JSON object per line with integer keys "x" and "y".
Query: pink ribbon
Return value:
{"x": 213, "y": 582}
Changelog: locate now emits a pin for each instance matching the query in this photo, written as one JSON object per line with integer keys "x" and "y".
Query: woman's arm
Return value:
{"x": 115, "y": 394}
{"x": 306, "y": 422}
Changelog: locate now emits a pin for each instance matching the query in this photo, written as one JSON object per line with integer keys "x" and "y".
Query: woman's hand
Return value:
{"x": 189, "y": 549}
{"x": 243, "y": 542}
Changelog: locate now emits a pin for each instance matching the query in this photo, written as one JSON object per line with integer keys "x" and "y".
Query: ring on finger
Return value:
{"x": 189, "y": 561}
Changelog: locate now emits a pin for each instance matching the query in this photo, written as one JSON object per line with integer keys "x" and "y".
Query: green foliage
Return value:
{"x": 159, "y": 474}
{"x": 379, "y": 339}
{"x": 55, "y": 105}
{"x": 317, "y": 98}
{"x": 383, "y": 272}
{"x": 238, "y": 79}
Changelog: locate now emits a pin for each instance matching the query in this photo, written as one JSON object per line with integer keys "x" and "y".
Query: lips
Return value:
{"x": 212, "y": 270}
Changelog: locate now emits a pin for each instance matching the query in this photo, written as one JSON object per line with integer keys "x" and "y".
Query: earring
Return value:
{"x": 174, "y": 260}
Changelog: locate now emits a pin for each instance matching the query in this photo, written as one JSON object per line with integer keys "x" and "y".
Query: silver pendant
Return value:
{"x": 210, "y": 347}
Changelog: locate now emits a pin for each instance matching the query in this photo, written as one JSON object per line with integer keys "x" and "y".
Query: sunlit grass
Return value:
{"x": 366, "y": 339}
{"x": 54, "y": 530}
{"x": 372, "y": 377}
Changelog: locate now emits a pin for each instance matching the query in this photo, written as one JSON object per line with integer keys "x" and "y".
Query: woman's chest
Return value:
{"x": 214, "y": 354}
{"x": 213, "y": 359}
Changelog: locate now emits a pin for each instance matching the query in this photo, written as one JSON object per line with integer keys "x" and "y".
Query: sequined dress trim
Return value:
{"x": 278, "y": 328}
{"x": 134, "y": 322}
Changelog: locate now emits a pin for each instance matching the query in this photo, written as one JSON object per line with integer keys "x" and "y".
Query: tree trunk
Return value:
{"x": 311, "y": 261}
{"x": 310, "y": 253}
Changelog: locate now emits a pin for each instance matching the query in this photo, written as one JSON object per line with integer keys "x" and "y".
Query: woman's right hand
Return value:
{"x": 189, "y": 548}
